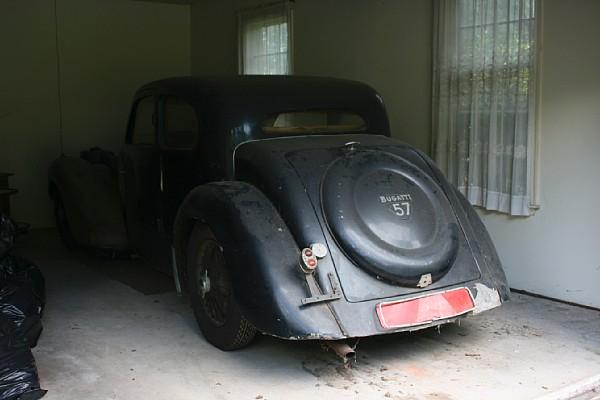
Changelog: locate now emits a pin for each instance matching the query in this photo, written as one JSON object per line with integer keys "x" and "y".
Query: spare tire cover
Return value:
{"x": 389, "y": 216}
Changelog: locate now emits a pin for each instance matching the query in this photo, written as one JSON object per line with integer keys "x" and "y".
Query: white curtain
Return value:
{"x": 484, "y": 99}
{"x": 264, "y": 40}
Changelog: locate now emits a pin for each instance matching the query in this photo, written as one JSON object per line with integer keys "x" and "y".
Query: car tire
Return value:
{"x": 62, "y": 222}
{"x": 211, "y": 293}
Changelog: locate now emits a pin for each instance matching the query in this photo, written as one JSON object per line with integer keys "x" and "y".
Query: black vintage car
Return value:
{"x": 281, "y": 205}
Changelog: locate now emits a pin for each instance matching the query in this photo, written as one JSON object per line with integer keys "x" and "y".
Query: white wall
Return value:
{"x": 107, "y": 49}
{"x": 385, "y": 43}
{"x": 28, "y": 103}
{"x": 556, "y": 252}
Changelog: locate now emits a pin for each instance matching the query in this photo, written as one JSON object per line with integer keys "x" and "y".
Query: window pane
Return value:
{"x": 264, "y": 41}
{"x": 306, "y": 122}
{"x": 483, "y": 99}
{"x": 181, "y": 124}
{"x": 143, "y": 130}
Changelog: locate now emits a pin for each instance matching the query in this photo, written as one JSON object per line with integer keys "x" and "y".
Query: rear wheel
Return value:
{"x": 211, "y": 293}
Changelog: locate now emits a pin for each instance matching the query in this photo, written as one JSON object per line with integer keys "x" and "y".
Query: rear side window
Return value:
{"x": 307, "y": 122}
{"x": 143, "y": 128}
{"x": 181, "y": 124}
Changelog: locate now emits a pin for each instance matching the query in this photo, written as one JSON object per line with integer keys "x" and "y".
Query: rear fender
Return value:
{"x": 493, "y": 289}
{"x": 262, "y": 258}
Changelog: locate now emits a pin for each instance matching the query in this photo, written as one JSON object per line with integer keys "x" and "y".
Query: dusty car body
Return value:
{"x": 284, "y": 207}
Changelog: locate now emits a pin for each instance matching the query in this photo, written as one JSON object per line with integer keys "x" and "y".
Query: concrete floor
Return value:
{"x": 115, "y": 330}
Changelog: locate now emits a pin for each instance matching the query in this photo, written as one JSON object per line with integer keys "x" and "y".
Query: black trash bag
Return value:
{"x": 22, "y": 286}
{"x": 22, "y": 301}
{"x": 18, "y": 373}
{"x": 7, "y": 235}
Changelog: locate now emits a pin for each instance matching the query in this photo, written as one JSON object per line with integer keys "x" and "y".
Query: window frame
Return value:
{"x": 535, "y": 138}
{"x": 130, "y": 139}
{"x": 536, "y": 146}
{"x": 289, "y": 10}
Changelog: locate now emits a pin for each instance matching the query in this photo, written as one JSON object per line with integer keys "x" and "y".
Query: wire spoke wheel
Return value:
{"x": 211, "y": 293}
{"x": 213, "y": 287}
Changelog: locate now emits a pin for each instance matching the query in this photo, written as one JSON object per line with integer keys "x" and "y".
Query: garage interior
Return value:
{"x": 115, "y": 329}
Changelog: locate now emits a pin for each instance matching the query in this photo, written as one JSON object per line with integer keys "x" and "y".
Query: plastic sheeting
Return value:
{"x": 18, "y": 373}
{"x": 22, "y": 299}
{"x": 22, "y": 286}
{"x": 7, "y": 235}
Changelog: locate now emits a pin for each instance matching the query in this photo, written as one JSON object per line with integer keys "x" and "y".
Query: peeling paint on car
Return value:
{"x": 486, "y": 298}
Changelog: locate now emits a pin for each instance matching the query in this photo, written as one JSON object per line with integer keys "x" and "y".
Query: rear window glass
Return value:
{"x": 306, "y": 122}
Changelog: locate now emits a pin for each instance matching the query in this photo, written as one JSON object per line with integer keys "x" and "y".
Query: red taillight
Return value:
{"x": 425, "y": 309}
{"x": 308, "y": 261}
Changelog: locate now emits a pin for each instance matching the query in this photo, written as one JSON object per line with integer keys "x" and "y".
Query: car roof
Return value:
{"x": 230, "y": 101}
{"x": 231, "y": 109}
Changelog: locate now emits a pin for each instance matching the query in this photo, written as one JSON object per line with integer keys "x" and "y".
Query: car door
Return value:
{"x": 181, "y": 167}
{"x": 140, "y": 184}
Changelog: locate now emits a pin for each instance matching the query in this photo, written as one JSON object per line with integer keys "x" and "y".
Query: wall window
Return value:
{"x": 265, "y": 40}
{"x": 484, "y": 100}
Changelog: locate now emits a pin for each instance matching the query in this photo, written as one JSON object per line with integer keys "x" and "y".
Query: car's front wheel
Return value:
{"x": 211, "y": 293}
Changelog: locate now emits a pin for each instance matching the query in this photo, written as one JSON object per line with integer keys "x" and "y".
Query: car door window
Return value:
{"x": 143, "y": 129}
{"x": 180, "y": 125}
